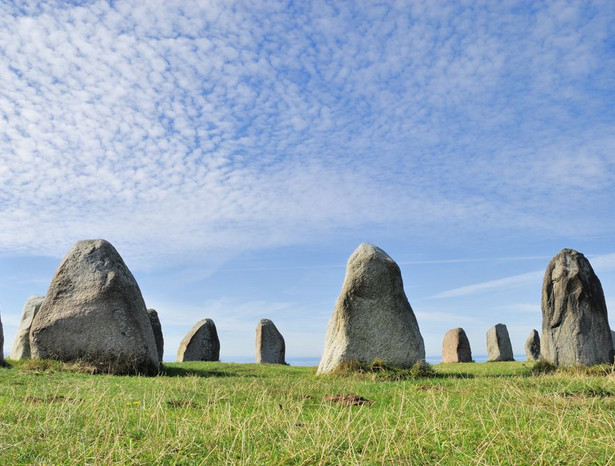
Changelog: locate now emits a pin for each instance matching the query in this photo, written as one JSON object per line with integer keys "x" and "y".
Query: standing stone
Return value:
{"x": 270, "y": 346}
{"x": 157, "y": 329}
{"x": 575, "y": 324}
{"x": 456, "y": 346}
{"x": 94, "y": 312}
{"x": 21, "y": 344}
{"x": 613, "y": 338}
{"x": 1, "y": 343}
{"x": 201, "y": 343}
{"x": 372, "y": 316}
{"x": 532, "y": 346}
{"x": 498, "y": 344}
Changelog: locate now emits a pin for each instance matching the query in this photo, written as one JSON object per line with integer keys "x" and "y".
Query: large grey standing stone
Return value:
{"x": 94, "y": 312}
{"x": 613, "y": 338}
{"x": 456, "y": 346}
{"x": 270, "y": 346}
{"x": 21, "y": 344}
{"x": 201, "y": 343}
{"x": 575, "y": 324}
{"x": 157, "y": 329}
{"x": 532, "y": 346}
{"x": 498, "y": 344}
{"x": 372, "y": 317}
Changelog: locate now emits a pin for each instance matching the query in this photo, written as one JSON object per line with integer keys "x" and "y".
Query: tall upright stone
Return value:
{"x": 157, "y": 329}
{"x": 372, "y": 317}
{"x": 575, "y": 324}
{"x": 21, "y": 344}
{"x": 201, "y": 343}
{"x": 532, "y": 346}
{"x": 498, "y": 344}
{"x": 456, "y": 346}
{"x": 270, "y": 346}
{"x": 94, "y": 312}
{"x": 1, "y": 343}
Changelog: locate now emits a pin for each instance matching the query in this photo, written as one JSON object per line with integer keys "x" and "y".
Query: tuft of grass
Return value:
{"x": 542, "y": 368}
{"x": 379, "y": 370}
{"x": 81, "y": 366}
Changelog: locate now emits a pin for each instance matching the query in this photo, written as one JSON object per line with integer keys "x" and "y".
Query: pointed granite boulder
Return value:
{"x": 498, "y": 344}
{"x": 157, "y": 329}
{"x": 532, "y": 346}
{"x": 201, "y": 343}
{"x": 94, "y": 312}
{"x": 456, "y": 346}
{"x": 372, "y": 318}
{"x": 575, "y": 323}
{"x": 21, "y": 344}
{"x": 270, "y": 345}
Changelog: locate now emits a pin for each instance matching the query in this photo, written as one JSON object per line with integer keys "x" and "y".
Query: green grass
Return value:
{"x": 212, "y": 413}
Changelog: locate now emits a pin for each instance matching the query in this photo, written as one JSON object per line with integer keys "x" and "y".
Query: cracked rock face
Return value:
{"x": 372, "y": 318}
{"x": 201, "y": 343}
{"x": 575, "y": 326}
{"x": 94, "y": 312}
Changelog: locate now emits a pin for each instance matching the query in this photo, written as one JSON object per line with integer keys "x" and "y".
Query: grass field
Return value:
{"x": 213, "y": 413}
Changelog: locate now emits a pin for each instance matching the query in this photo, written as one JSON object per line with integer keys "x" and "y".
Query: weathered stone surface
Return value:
{"x": 575, "y": 324}
{"x": 498, "y": 344}
{"x": 270, "y": 346}
{"x": 456, "y": 346}
{"x": 201, "y": 343}
{"x": 613, "y": 338}
{"x": 21, "y": 344}
{"x": 157, "y": 329}
{"x": 94, "y": 312}
{"x": 372, "y": 316}
{"x": 532, "y": 346}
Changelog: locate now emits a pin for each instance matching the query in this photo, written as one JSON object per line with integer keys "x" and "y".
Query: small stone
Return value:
{"x": 1, "y": 343}
{"x": 456, "y": 346}
{"x": 94, "y": 313}
{"x": 270, "y": 346}
{"x": 575, "y": 323}
{"x": 498, "y": 344}
{"x": 157, "y": 329}
{"x": 201, "y": 343}
{"x": 372, "y": 318}
{"x": 21, "y": 344}
{"x": 532, "y": 346}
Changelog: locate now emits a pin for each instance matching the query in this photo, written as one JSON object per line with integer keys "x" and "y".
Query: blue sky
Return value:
{"x": 236, "y": 153}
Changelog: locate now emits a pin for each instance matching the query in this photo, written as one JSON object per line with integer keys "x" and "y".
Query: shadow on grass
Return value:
{"x": 174, "y": 371}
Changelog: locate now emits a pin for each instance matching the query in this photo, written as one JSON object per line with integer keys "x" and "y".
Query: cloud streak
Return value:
{"x": 601, "y": 263}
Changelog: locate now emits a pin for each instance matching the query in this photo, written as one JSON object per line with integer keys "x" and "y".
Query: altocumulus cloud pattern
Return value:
{"x": 204, "y": 127}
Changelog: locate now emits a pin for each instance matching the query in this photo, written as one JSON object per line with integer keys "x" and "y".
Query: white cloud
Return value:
{"x": 192, "y": 130}
{"x": 492, "y": 285}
